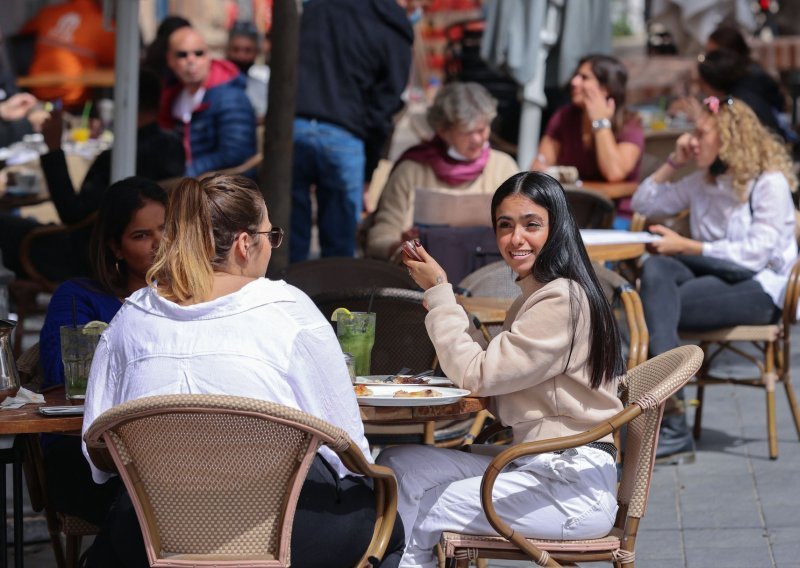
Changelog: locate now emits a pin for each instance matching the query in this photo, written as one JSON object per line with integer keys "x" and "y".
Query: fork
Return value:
{"x": 426, "y": 373}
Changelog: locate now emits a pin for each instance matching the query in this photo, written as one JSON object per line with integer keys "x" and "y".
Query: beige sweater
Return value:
{"x": 523, "y": 368}
{"x": 395, "y": 211}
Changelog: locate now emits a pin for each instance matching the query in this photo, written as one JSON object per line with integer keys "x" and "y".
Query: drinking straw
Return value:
{"x": 371, "y": 298}
{"x": 74, "y": 312}
{"x": 87, "y": 108}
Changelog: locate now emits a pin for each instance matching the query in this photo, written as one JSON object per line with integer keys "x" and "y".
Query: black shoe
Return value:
{"x": 675, "y": 443}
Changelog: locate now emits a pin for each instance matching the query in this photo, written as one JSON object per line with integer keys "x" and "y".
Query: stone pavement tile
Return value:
{"x": 659, "y": 545}
{"x": 781, "y": 515}
{"x": 733, "y": 557}
{"x": 716, "y": 538}
{"x": 723, "y": 518}
{"x": 786, "y": 546}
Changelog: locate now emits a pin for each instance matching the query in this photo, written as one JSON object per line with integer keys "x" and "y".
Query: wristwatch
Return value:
{"x": 600, "y": 124}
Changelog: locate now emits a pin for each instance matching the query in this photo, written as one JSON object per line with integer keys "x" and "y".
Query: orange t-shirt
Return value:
{"x": 70, "y": 40}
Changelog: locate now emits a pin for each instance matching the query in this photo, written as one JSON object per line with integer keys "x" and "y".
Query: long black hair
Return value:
{"x": 564, "y": 256}
{"x": 120, "y": 201}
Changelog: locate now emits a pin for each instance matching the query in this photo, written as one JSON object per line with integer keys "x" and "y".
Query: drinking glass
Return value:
{"x": 356, "y": 333}
{"x": 77, "y": 350}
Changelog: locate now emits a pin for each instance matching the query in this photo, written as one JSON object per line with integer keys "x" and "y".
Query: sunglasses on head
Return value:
{"x": 185, "y": 54}
{"x": 275, "y": 236}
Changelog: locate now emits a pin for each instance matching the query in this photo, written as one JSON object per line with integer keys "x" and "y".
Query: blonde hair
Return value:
{"x": 748, "y": 148}
{"x": 202, "y": 222}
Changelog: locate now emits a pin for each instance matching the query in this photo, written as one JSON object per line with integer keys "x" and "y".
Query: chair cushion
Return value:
{"x": 737, "y": 333}
{"x": 452, "y": 541}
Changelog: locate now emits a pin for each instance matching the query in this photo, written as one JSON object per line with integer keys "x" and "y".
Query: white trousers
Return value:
{"x": 571, "y": 496}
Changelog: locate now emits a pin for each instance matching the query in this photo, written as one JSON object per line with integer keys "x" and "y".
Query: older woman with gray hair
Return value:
{"x": 458, "y": 157}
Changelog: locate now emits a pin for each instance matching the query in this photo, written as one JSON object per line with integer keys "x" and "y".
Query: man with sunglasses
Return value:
{"x": 207, "y": 107}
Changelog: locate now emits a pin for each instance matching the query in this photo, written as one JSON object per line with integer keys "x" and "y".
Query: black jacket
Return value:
{"x": 355, "y": 57}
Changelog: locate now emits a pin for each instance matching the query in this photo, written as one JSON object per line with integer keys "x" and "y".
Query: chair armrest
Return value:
{"x": 792, "y": 295}
{"x": 502, "y": 460}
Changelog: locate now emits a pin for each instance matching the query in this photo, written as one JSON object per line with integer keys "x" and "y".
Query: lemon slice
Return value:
{"x": 95, "y": 327}
{"x": 339, "y": 311}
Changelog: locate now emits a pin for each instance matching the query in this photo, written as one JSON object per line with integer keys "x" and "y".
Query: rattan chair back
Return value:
{"x": 648, "y": 386}
{"x": 214, "y": 479}
{"x": 495, "y": 279}
{"x": 401, "y": 339}
{"x": 328, "y": 274}
{"x": 591, "y": 209}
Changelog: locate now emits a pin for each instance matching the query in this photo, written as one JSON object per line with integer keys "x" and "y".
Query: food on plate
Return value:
{"x": 409, "y": 380}
{"x": 424, "y": 393}
{"x": 362, "y": 390}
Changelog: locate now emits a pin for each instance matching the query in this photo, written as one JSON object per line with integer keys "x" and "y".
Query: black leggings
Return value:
{"x": 332, "y": 526}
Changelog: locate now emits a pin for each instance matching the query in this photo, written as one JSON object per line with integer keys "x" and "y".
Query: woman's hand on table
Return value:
{"x": 427, "y": 273}
{"x": 672, "y": 243}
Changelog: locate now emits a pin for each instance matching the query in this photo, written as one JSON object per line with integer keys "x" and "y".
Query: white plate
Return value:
{"x": 379, "y": 380}
{"x": 383, "y": 395}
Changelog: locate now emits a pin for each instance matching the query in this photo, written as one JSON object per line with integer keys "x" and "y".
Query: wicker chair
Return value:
{"x": 215, "y": 479}
{"x": 329, "y": 274}
{"x": 774, "y": 344}
{"x": 72, "y": 528}
{"x": 648, "y": 387}
{"x": 591, "y": 209}
{"x": 495, "y": 279}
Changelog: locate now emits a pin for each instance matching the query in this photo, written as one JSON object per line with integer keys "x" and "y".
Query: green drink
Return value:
{"x": 77, "y": 350}
{"x": 356, "y": 333}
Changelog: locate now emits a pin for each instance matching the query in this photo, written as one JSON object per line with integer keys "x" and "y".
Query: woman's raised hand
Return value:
{"x": 597, "y": 105}
{"x": 683, "y": 149}
{"x": 426, "y": 273}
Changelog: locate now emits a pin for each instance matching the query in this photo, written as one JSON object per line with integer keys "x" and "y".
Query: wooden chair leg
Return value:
{"x": 73, "y": 551}
{"x": 792, "y": 398}
{"x": 770, "y": 378}
{"x": 698, "y": 413}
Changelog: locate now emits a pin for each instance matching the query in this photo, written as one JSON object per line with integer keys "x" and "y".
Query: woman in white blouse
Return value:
{"x": 210, "y": 323}
{"x": 734, "y": 268}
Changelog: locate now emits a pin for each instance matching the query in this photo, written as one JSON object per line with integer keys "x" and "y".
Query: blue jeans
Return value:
{"x": 331, "y": 158}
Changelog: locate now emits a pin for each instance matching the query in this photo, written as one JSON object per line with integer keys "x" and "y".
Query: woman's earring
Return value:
{"x": 116, "y": 266}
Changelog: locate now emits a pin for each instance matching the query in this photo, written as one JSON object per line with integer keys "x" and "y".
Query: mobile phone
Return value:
{"x": 410, "y": 249}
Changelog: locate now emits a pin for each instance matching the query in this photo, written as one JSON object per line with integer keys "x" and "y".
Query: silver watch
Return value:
{"x": 601, "y": 123}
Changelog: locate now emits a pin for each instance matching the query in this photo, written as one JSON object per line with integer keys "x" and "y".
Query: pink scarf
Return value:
{"x": 448, "y": 170}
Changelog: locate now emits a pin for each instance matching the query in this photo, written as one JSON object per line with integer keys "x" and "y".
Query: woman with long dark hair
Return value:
{"x": 596, "y": 133}
{"x": 551, "y": 372}
{"x": 123, "y": 245}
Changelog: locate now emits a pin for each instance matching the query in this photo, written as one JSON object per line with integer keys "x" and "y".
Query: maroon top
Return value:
{"x": 565, "y": 128}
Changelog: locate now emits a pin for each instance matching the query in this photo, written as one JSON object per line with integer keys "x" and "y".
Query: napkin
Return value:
{"x": 24, "y": 396}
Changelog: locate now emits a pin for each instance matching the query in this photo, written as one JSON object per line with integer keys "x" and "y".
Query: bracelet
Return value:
{"x": 671, "y": 161}
{"x": 600, "y": 124}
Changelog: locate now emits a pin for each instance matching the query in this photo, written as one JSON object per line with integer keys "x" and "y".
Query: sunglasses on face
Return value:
{"x": 275, "y": 236}
{"x": 185, "y": 54}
